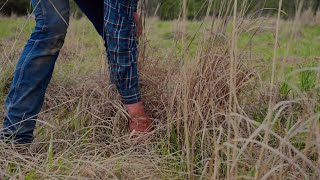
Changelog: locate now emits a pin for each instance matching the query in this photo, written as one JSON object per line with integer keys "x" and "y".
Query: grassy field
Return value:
{"x": 226, "y": 106}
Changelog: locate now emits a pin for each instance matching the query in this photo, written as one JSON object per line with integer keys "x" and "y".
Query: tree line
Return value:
{"x": 197, "y": 9}
{"x": 171, "y": 9}
{"x": 23, "y": 7}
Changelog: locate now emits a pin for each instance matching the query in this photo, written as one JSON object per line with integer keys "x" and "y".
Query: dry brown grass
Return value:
{"x": 216, "y": 119}
{"x": 308, "y": 17}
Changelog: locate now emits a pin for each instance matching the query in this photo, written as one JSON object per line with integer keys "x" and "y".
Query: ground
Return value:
{"x": 221, "y": 109}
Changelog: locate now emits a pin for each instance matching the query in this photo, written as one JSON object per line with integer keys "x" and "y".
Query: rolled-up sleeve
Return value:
{"x": 122, "y": 50}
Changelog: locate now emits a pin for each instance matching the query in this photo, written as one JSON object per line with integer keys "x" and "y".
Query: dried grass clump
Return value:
{"x": 216, "y": 118}
{"x": 317, "y": 18}
{"x": 308, "y": 17}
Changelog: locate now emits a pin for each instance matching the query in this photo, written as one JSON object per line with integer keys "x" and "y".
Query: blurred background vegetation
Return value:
{"x": 170, "y": 9}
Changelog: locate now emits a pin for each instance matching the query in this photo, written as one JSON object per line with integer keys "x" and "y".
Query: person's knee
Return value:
{"x": 52, "y": 19}
{"x": 52, "y": 29}
{"x": 58, "y": 28}
{"x": 49, "y": 38}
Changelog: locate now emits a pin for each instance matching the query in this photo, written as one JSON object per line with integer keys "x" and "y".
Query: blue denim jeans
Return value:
{"x": 35, "y": 66}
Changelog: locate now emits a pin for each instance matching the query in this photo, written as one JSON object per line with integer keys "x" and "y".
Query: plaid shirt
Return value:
{"x": 120, "y": 37}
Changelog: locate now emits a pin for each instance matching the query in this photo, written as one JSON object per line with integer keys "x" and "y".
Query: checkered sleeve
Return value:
{"x": 120, "y": 38}
{"x": 135, "y": 6}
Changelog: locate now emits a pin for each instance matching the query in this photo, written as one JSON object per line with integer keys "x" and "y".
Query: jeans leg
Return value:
{"x": 120, "y": 37}
{"x": 34, "y": 69}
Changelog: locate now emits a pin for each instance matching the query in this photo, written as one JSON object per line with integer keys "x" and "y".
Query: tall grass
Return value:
{"x": 217, "y": 117}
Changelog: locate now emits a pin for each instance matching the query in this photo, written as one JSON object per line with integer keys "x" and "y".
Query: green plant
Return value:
{"x": 170, "y": 9}
{"x": 285, "y": 88}
{"x": 307, "y": 80}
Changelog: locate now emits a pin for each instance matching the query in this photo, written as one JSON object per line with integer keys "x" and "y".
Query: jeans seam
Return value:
{"x": 44, "y": 14}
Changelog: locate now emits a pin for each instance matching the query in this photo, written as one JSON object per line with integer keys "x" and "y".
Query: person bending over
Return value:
{"x": 115, "y": 20}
